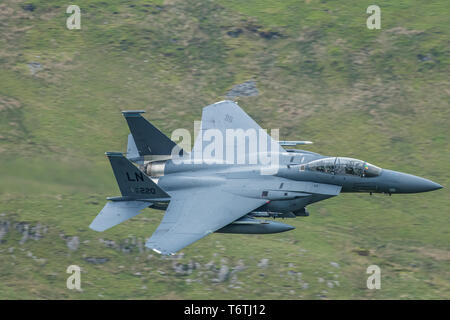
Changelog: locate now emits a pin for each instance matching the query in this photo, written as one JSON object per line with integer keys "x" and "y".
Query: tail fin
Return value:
{"x": 133, "y": 183}
{"x": 132, "y": 151}
{"x": 149, "y": 140}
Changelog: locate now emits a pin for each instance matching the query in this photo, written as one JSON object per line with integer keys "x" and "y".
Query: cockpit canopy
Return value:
{"x": 341, "y": 165}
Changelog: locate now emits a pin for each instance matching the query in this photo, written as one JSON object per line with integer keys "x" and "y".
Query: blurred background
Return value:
{"x": 310, "y": 68}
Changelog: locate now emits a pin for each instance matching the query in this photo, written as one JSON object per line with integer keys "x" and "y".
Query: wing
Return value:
{"x": 193, "y": 214}
{"x": 227, "y": 115}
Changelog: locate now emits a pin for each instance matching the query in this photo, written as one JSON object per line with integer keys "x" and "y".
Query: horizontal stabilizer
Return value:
{"x": 114, "y": 213}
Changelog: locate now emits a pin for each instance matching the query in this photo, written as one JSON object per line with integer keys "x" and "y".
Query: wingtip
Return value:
{"x": 222, "y": 103}
{"x": 157, "y": 251}
{"x": 164, "y": 253}
{"x": 132, "y": 113}
{"x": 114, "y": 154}
{"x": 160, "y": 250}
{"x": 95, "y": 227}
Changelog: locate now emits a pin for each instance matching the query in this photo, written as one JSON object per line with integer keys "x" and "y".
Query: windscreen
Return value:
{"x": 344, "y": 166}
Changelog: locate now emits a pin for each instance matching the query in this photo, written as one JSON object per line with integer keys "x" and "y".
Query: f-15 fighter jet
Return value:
{"x": 234, "y": 174}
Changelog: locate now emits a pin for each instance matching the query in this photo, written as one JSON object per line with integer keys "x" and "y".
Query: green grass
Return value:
{"x": 326, "y": 78}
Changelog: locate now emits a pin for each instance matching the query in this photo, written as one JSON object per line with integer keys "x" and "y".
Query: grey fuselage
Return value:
{"x": 295, "y": 183}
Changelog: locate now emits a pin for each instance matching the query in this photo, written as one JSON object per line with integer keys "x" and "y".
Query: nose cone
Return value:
{"x": 398, "y": 182}
{"x": 423, "y": 185}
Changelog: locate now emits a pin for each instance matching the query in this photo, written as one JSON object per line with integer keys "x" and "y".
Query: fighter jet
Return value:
{"x": 234, "y": 174}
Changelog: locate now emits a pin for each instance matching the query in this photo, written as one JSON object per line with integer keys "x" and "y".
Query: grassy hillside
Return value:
{"x": 378, "y": 95}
